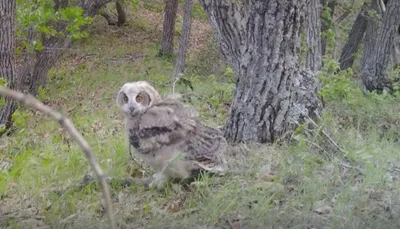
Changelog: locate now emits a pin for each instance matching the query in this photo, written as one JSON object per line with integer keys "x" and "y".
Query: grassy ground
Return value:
{"x": 306, "y": 185}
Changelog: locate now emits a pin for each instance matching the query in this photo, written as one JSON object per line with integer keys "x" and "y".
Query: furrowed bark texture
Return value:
{"x": 184, "y": 39}
{"x": 313, "y": 20}
{"x": 371, "y": 32}
{"x": 354, "y": 40}
{"x": 167, "y": 45}
{"x": 7, "y": 50}
{"x": 375, "y": 69}
{"x": 259, "y": 40}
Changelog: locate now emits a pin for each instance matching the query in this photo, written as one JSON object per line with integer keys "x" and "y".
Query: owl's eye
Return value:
{"x": 139, "y": 99}
{"x": 125, "y": 98}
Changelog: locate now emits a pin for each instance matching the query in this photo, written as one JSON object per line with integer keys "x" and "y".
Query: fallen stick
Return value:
{"x": 30, "y": 101}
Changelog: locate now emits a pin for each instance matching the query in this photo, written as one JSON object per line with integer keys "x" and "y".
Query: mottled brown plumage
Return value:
{"x": 161, "y": 128}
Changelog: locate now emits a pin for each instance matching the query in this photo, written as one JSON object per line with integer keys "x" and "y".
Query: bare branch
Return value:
{"x": 382, "y": 5}
{"x": 30, "y": 101}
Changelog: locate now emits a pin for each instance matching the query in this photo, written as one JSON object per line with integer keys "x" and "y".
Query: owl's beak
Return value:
{"x": 132, "y": 109}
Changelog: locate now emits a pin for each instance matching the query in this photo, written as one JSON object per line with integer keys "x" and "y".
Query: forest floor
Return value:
{"x": 304, "y": 185}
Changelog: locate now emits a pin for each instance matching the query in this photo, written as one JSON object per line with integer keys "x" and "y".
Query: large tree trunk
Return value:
{"x": 375, "y": 69}
{"x": 167, "y": 43}
{"x": 371, "y": 32}
{"x": 259, "y": 39}
{"x": 184, "y": 39}
{"x": 314, "y": 54}
{"x": 7, "y": 51}
{"x": 354, "y": 40}
{"x": 327, "y": 24}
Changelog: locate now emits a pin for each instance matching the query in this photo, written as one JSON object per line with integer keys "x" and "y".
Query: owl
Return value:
{"x": 168, "y": 134}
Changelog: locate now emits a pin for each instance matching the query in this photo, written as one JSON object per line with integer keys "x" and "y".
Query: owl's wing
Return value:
{"x": 207, "y": 149}
{"x": 165, "y": 124}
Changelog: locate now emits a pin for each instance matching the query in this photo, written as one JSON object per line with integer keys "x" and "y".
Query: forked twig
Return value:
{"x": 30, "y": 101}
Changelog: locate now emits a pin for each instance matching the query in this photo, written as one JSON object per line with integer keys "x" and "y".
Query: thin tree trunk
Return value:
{"x": 396, "y": 52}
{"x": 36, "y": 72}
{"x": 33, "y": 73}
{"x": 327, "y": 24}
{"x": 260, "y": 40}
{"x": 110, "y": 20}
{"x": 167, "y": 43}
{"x": 7, "y": 62}
{"x": 121, "y": 15}
{"x": 313, "y": 20}
{"x": 375, "y": 69}
{"x": 354, "y": 40}
{"x": 184, "y": 39}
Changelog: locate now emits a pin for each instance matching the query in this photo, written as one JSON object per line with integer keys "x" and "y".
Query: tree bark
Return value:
{"x": 355, "y": 38}
{"x": 121, "y": 15}
{"x": 327, "y": 24}
{"x": 167, "y": 43}
{"x": 260, "y": 39}
{"x": 184, "y": 39}
{"x": 33, "y": 74}
{"x": 7, "y": 52}
{"x": 375, "y": 69}
{"x": 313, "y": 20}
{"x": 60, "y": 4}
{"x": 396, "y": 52}
{"x": 371, "y": 32}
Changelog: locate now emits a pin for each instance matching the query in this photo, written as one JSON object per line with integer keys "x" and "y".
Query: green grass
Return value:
{"x": 312, "y": 185}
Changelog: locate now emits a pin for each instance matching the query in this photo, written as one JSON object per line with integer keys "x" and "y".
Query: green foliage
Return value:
{"x": 230, "y": 75}
{"x": 42, "y": 93}
{"x": 330, "y": 33}
{"x": 198, "y": 12}
{"x": 153, "y": 5}
{"x": 20, "y": 119}
{"x": 338, "y": 86}
{"x": 44, "y": 18}
{"x": 2, "y": 83}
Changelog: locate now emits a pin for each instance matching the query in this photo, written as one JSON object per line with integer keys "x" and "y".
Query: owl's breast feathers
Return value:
{"x": 152, "y": 138}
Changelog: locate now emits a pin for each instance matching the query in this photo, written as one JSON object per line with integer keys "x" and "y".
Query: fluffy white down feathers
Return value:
{"x": 168, "y": 134}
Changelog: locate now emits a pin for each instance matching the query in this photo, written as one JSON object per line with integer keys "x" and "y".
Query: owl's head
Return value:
{"x": 135, "y": 97}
